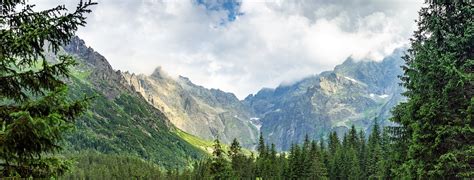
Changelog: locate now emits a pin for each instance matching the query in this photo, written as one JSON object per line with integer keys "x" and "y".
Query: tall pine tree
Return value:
{"x": 34, "y": 112}
{"x": 219, "y": 167}
{"x": 439, "y": 79}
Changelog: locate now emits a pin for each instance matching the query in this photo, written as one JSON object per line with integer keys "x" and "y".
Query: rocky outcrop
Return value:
{"x": 354, "y": 93}
{"x": 206, "y": 113}
{"x": 119, "y": 120}
{"x": 103, "y": 76}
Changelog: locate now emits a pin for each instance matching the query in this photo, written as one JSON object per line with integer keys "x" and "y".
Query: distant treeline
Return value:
{"x": 354, "y": 156}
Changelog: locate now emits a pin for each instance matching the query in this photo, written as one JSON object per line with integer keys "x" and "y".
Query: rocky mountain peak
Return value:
{"x": 100, "y": 69}
{"x": 159, "y": 73}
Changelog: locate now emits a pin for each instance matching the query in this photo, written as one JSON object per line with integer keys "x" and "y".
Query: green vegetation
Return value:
{"x": 34, "y": 110}
{"x": 205, "y": 145}
{"x": 195, "y": 141}
{"x": 121, "y": 136}
{"x": 437, "y": 134}
{"x": 353, "y": 157}
{"x": 128, "y": 126}
{"x": 95, "y": 165}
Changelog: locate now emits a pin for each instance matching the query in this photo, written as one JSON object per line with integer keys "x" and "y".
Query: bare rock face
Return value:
{"x": 120, "y": 120}
{"x": 354, "y": 93}
{"x": 102, "y": 74}
{"x": 206, "y": 113}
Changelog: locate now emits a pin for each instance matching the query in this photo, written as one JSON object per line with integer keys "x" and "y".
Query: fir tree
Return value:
{"x": 317, "y": 167}
{"x": 238, "y": 159}
{"x": 219, "y": 167}
{"x": 353, "y": 138}
{"x": 334, "y": 143}
{"x": 438, "y": 77}
{"x": 374, "y": 155}
{"x": 34, "y": 111}
{"x": 362, "y": 154}
{"x": 261, "y": 148}
{"x": 305, "y": 158}
{"x": 354, "y": 170}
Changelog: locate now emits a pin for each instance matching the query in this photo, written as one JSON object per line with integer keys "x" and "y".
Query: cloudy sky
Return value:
{"x": 242, "y": 46}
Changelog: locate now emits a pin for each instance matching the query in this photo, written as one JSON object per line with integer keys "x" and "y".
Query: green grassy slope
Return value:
{"x": 127, "y": 125}
{"x": 204, "y": 145}
{"x": 119, "y": 121}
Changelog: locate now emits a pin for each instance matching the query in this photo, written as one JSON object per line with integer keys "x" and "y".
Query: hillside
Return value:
{"x": 120, "y": 121}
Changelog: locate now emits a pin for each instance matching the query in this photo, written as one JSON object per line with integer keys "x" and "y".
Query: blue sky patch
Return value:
{"x": 231, "y": 6}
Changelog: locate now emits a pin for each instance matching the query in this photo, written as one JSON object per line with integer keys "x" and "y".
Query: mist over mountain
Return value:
{"x": 354, "y": 93}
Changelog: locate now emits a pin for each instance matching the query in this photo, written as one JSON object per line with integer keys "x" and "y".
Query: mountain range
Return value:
{"x": 354, "y": 93}
{"x": 162, "y": 119}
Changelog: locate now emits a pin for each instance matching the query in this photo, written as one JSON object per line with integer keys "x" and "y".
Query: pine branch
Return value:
{"x": 16, "y": 85}
{"x": 49, "y": 26}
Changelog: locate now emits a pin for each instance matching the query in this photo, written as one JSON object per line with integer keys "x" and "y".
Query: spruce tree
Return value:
{"x": 439, "y": 81}
{"x": 261, "y": 148}
{"x": 374, "y": 152}
{"x": 294, "y": 162}
{"x": 362, "y": 154}
{"x": 353, "y": 138}
{"x": 219, "y": 167}
{"x": 34, "y": 112}
{"x": 334, "y": 143}
{"x": 354, "y": 170}
{"x": 262, "y": 157}
{"x": 305, "y": 158}
{"x": 324, "y": 153}
{"x": 317, "y": 167}
{"x": 238, "y": 159}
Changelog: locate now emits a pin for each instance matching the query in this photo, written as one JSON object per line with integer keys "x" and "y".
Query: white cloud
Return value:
{"x": 273, "y": 42}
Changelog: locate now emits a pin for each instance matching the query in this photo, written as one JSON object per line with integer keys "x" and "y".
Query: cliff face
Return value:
{"x": 354, "y": 93}
{"x": 206, "y": 113}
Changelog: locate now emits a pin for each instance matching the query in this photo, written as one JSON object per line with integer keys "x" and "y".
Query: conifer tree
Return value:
{"x": 317, "y": 167}
{"x": 34, "y": 112}
{"x": 324, "y": 153}
{"x": 305, "y": 158}
{"x": 374, "y": 154}
{"x": 362, "y": 154}
{"x": 354, "y": 171}
{"x": 261, "y": 148}
{"x": 438, "y": 77}
{"x": 337, "y": 165}
{"x": 353, "y": 138}
{"x": 334, "y": 143}
{"x": 238, "y": 159}
{"x": 294, "y": 162}
{"x": 219, "y": 167}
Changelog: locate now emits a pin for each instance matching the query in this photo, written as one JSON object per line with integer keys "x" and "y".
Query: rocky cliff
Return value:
{"x": 119, "y": 120}
{"x": 206, "y": 113}
{"x": 354, "y": 93}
